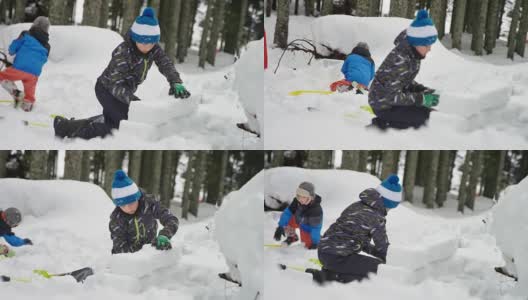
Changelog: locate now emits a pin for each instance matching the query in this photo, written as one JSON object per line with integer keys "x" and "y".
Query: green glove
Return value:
{"x": 162, "y": 243}
{"x": 179, "y": 91}
{"x": 430, "y": 100}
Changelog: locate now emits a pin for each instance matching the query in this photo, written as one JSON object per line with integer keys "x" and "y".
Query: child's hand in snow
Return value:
{"x": 179, "y": 91}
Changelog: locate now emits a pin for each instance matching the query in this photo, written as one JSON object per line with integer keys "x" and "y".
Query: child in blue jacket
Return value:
{"x": 358, "y": 70}
{"x": 305, "y": 212}
{"x": 10, "y": 218}
{"x": 32, "y": 50}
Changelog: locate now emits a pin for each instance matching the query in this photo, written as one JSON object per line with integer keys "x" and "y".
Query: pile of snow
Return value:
{"x": 78, "y": 56}
{"x": 510, "y": 227}
{"x": 429, "y": 256}
{"x": 68, "y": 224}
{"x": 238, "y": 229}
{"x": 249, "y": 72}
{"x": 479, "y": 103}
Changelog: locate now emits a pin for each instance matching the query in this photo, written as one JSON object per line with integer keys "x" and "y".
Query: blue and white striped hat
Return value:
{"x": 145, "y": 29}
{"x": 391, "y": 191}
{"x": 124, "y": 190}
{"x": 422, "y": 31}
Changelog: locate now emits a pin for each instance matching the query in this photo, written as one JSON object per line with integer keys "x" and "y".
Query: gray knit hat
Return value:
{"x": 363, "y": 45}
{"x": 42, "y": 23}
{"x": 12, "y": 216}
{"x": 306, "y": 189}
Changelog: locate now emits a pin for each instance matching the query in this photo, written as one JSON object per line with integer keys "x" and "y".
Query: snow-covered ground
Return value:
{"x": 482, "y": 105}
{"x": 433, "y": 254}
{"x": 68, "y": 223}
{"x": 79, "y": 55}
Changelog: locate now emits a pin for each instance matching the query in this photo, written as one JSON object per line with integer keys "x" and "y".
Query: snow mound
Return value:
{"x": 510, "y": 227}
{"x": 238, "y": 229}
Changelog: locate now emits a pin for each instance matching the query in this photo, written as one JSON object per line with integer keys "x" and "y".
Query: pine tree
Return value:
{"x": 184, "y": 30}
{"x": 430, "y": 179}
{"x": 398, "y": 8}
{"x": 443, "y": 178}
{"x": 4, "y": 154}
{"x": 134, "y": 165}
{"x": 328, "y": 6}
{"x": 523, "y": 29}
{"x": 277, "y": 158}
{"x": 479, "y": 26}
{"x": 491, "y": 25}
{"x": 112, "y": 163}
{"x": 171, "y": 24}
{"x": 217, "y": 27}
{"x": 92, "y": 12}
{"x": 476, "y": 167}
{"x": 197, "y": 182}
{"x": 350, "y": 160}
{"x": 389, "y": 165}
{"x": 37, "y": 164}
{"x": 513, "y": 28}
{"x": 73, "y": 165}
{"x": 86, "y": 165}
{"x": 205, "y": 33}
{"x": 463, "y": 190}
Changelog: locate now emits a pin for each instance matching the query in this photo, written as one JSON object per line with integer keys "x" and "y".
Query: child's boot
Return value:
{"x": 26, "y": 105}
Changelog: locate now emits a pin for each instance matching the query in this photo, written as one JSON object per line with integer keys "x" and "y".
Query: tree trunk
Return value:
{"x": 130, "y": 12}
{"x": 398, "y": 8}
{"x": 189, "y": 174}
{"x": 92, "y": 12}
{"x": 430, "y": 180}
{"x": 268, "y": 8}
{"x": 73, "y": 165}
{"x": 388, "y": 166}
{"x": 281, "y": 27}
{"x": 217, "y": 26}
{"x": 363, "y": 160}
{"x": 172, "y": 26}
{"x": 423, "y": 164}
{"x": 215, "y": 175}
{"x": 205, "y": 33}
{"x": 491, "y": 25}
{"x": 174, "y": 170}
{"x": 513, "y": 28}
{"x": 479, "y": 26}
{"x": 112, "y": 163}
{"x": 320, "y": 159}
{"x": 20, "y": 11}
{"x": 409, "y": 175}
{"x": 37, "y": 164}
{"x": 308, "y": 7}
{"x": 51, "y": 165}
{"x": 134, "y": 165}
{"x": 3, "y": 159}
{"x": 438, "y": 14}
{"x": 411, "y": 9}
{"x": 57, "y": 11}
{"x": 184, "y": 30}
{"x": 458, "y": 23}
{"x": 523, "y": 29}
{"x": 463, "y": 190}
{"x": 104, "y": 13}
{"x": 374, "y": 8}
{"x": 476, "y": 167}
{"x": 328, "y": 7}
{"x": 155, "y": 172}
{"x": 350, "y": 160}
{"x": 277, "y": 158}
{"x": 197, "y": 183}
{"x": 86, "y": 165}
{"x": 146, "y": 162}
{"x": 155, "y": 4}
{"x": 166, "y": 194}
{"x": 443, "y": 178}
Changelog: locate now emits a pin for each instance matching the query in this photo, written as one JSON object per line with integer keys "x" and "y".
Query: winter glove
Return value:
{"x": 135, "y": 98}
{"x": 430, "y": 100}
{"x": 28, "y": 242}
{"x": 162, "y": 243}
{"x": 179, "y": 91}
{"x": 278, "y": 233}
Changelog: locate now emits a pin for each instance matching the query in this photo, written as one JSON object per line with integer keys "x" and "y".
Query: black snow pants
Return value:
{"x": 401, "y": 117}
{"x": 355, "y": 267}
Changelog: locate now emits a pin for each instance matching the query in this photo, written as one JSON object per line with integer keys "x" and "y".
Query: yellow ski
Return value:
{"x": 302, "y": 92}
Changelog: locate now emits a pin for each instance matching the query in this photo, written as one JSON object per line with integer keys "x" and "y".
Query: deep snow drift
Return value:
{"x": 481, "y": 106}
{"x": 430, "y": 256}
{"x": 68, "y": 223}
{"x": 78, "y": 56}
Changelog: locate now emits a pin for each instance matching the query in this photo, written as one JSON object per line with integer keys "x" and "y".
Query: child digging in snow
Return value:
{"x": 358, "y": 70}
{"x": 128, "y": 68}
{"x": 31, "y": 50}
{"x": 361, "y": 222}
{"x": 134, "y": 222}
{"x": 305, "y": 213}
{"x": 397, "y": 100}
{"x": 10, "y": 218}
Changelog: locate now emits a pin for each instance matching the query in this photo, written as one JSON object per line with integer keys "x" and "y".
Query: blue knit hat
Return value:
{"x": 145, "y": 29}
{"x": 390, "y": 191}
{"x": 124, "y": 190}
{"x": 422, "y": 31}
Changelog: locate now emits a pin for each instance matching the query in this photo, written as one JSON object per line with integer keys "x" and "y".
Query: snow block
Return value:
{"x": 163, "y": 111}
{"x": 477, "y": 98}
{"x": 143, "y": 263}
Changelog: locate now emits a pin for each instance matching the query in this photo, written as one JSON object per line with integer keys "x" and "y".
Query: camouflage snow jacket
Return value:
{"x": 394, "y": 84}
{"x": 129, "y": 67}
{"x": 358, "y": 224}
{"x": 130, "y": 232}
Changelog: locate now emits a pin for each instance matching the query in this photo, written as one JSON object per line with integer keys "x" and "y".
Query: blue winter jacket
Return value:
{"x": 309, "y": 217}
{"x": 31, "y": 54}
{"x": 9, "y": 236}
{"x": 359, "y": 69}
